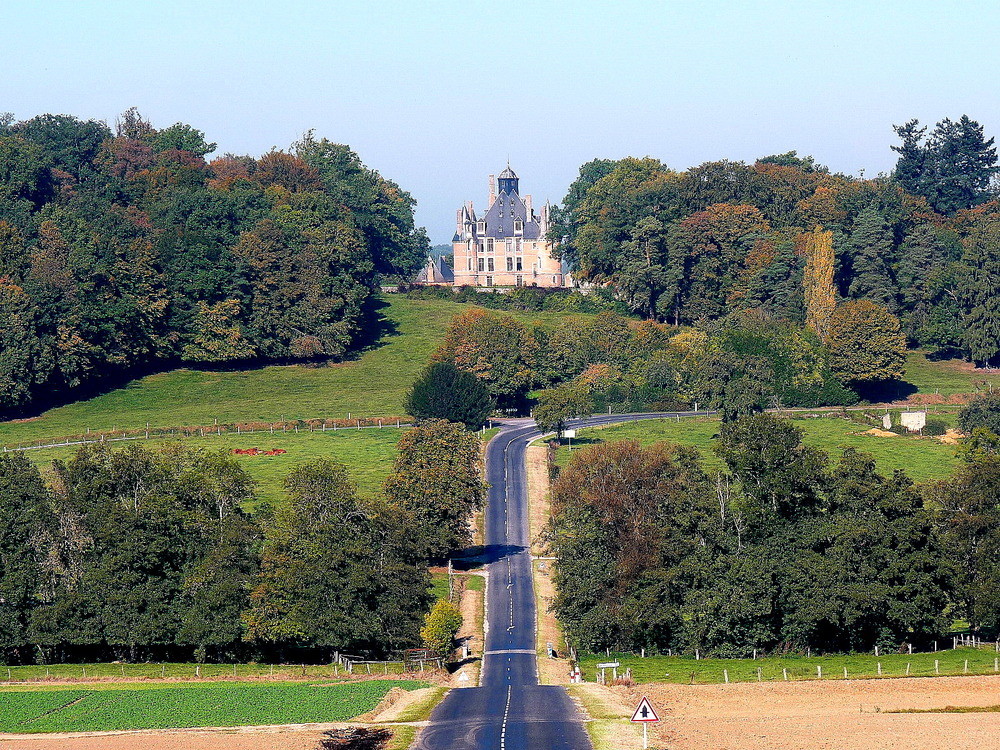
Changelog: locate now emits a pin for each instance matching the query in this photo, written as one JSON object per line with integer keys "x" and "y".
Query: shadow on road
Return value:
{"x": 475, "y": 557}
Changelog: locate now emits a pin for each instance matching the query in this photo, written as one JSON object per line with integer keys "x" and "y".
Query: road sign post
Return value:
{"x": 645, "y": 715}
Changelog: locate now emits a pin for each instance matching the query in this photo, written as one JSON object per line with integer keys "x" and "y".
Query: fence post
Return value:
{"x": 725, "y": 675}
{"x": 845, "y": 673}
{"x": 759, "y": 677}
{"x": 880, "y": 669}
{"x": 937, "y": 667}
{"x": 965, "y": 668}
{"x": 907, "y": 669}
{"x": 819, "y": 671}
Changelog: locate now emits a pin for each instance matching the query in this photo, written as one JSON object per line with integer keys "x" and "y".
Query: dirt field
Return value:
{"x": 284, "y": 739}
{"x": 831, "y": 715}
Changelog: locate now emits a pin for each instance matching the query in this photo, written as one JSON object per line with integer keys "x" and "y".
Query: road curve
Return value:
{"x": 510, "y": 710}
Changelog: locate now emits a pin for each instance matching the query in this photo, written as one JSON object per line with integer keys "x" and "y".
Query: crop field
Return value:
{"x": 923, "y": 458}
{"x": 375, "y": 384}
{"x": 221, "y": 704}
{"x": 688, "y": 670}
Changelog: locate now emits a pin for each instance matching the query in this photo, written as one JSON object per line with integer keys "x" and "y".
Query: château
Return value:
{"x": 508, "y": 245}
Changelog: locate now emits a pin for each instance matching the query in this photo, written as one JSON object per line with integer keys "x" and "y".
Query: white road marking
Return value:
{"x": 503, "y": 727}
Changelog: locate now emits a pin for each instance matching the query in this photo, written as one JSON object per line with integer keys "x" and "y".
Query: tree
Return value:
{"x": 556, "y": 405}
{"x": 494, "y": 347}
{"x": 626, "y": 519}
{"x": 871, "y": 247}
{"x": 866, "y": 343}
{"x": 767, "y": 457}
{"x": 440, "y": 627}
{"x": 969, "y": 522}
{"x": 566, "y": 219}
{"x": 445, "y": 392}
{"x": 25, "y": 519}
{"x": 980, "y": 293}
{"x": 952, "y": 168}
{"x": 437, "y": 481}
{"x": 817, "y": 281}
{"x": 981, "y": 412}
{"x": 335, "y": 573}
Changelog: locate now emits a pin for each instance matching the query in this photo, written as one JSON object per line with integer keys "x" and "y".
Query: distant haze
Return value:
{"x": 438, "y": 95}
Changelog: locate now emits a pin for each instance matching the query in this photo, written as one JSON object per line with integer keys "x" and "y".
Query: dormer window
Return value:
{"x": 518, "y": 226}
{"x": 481, "y": 227}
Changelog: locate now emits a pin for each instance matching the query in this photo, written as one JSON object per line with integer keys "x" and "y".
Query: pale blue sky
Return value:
{"x": 437, "y": 94}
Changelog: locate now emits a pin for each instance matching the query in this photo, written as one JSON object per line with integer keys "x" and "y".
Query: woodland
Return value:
{"x": 125, "y": 251}
{"x": 787, "y": 238}
{"x": 141, "y": 554}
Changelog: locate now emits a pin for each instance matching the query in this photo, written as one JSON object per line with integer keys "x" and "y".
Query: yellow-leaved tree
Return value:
{"x": 817, "y": 281}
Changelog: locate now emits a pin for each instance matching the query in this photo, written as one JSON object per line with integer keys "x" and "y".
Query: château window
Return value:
{"x": 510, "y": 245}
{"x": 489, "y": 281}
{"x": 480, "y": 264}
{"x": 470, "y": 264}
{"x": 482, "y": 227}
{"x": 519, "y": 266}
{"x": 489, "y": 244}
{"x": 489, "y": 265}
{"x": 510, "y": 264}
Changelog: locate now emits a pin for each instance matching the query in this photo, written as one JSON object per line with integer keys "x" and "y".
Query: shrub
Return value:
{"x": 441, "y": 626}
{"x": 935, "y": 427}
{"x": 983, "y": 411}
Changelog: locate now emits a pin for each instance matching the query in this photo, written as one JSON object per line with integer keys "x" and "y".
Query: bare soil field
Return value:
{"x": 842, "y": 715}
{"x": 263, "y": 739}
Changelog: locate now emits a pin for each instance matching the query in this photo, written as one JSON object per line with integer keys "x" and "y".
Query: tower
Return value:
{"x": 508, "y": 181}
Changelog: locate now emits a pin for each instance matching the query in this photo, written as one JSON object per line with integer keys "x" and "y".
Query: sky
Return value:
{"x": 437, "y": 94}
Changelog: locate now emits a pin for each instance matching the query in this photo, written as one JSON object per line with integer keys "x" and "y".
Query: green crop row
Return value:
{"x": 196, "y": 705}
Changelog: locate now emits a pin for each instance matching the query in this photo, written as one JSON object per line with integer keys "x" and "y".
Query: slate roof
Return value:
{"x": 506, "y": 209}
{"x": 435, "y": 272}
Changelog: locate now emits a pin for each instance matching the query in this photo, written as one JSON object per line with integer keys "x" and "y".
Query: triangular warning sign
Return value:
{"x": 644, "y": 711}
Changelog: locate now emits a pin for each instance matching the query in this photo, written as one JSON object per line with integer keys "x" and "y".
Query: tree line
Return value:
{"x": 744, "y": 362}
{"x": 780, "y": 551}
{"x": 123, "y": 250}
{"x": 785, "y": 237}
{"x": 167, "y": 555}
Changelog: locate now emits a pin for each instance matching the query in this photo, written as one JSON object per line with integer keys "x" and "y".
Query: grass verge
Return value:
{"x": 688, "y": 670}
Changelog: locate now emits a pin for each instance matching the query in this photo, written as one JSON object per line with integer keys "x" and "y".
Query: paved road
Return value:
{"x": 510, "y": 710}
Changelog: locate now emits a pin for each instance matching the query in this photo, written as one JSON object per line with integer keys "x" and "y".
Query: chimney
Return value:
{"x": 527, "y": 207}
{"x": 459, "y": 224}
{"x": 493, "y": 189}
{"x": 544, "y": 221}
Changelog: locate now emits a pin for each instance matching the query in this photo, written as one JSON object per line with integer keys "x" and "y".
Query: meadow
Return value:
{"x": 170, "y": 706}
{"x": 369, "y": 454}
{"x": 923, "y": 458}
{"x": 689, "y": 670}
{"x": 947, "y": 377}
{"x": 374, "y": 384}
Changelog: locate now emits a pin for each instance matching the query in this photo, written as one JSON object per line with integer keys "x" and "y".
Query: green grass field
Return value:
{"x": 922, "y": 458}
{"x": 688, "y": 670}
{"x": 219, "y": 704}
{"x": 368, "y": 454}
{"x": 946, "y": 377}
{"x": 373, "y": 385}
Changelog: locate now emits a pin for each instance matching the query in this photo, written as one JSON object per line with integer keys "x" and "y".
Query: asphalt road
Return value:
{"x": 510, "y": 710}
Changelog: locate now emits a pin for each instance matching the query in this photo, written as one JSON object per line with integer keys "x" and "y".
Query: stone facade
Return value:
{"x": 507, "y": 245}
